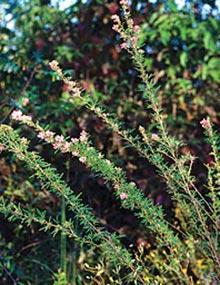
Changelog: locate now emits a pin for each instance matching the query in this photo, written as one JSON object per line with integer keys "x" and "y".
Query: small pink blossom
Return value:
{"x": 74, "y": 140}
{"x": 1, "y": 148}
{"x": 76, "y": 92}
{"x": 130, "y": 23}
{"x": 205, "y": 123}
{"x": 116, "y": 28}
{"x": 123, "y": 196}
{"x": 123, "y": 46}
{"x": 61, "y": 144}
{"x": 83, "y": 136}
{"x": 154, "y": 137}
{"x": 117, "y": 23}
{"x": 54, "y": 65}
{"x": 48, "y": 136}
{"x": 82, "y": 159}
{"x": 134, "y": 40}
{"x": 70, "y": 85}
{"x": 17, "y": 115}
{"x": 124, "y": 2}
{"x": 65, "y": 147}
{"x": 25, "y": 102}
{"x": 115, "y": 18}
{"x": 59, "y": 139}
{"x": 56, "y": 146}
{"x": 75, "y": 153}
{"x": 136, "y": 28}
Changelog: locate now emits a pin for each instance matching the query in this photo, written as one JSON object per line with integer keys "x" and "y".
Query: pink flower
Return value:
{"x": 205, "y": 123}
{"x": 25, "y": 101}
{"x": 75, "y": 153}
{"x": 76, "y": 92}
{"x": 123, "y": 46}
{"x": 136, "y": 28}
{"x": 74, "y": 140}
{"x": 116, "y": 28}
{"x": 115, "y": 18}
{"x": 61, "y": 144}
{"x": 124, "y": 2}
{"x": 117, "y": 22}
{"x": 70, "y": 85}
{"x": 154, "y": 137}
{"x": 59, "y": 139}
{"x": 48, "y": 136}
{"x": 65, "y": 147}
{"x": 82, "y": 159}
{"x": 16, "y": 115}
{"x": 123, "y": 196}
{"x": 134, "y": 40}
{"x": 54, "y": 65}
{"x": 83, "y": 136}
{"x": 1, "y": 148}
{"x": 130, "y": 23}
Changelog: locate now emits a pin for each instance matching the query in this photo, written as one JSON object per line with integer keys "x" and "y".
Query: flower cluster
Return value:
{"x": 125, "y": 6}
{"x": 117, "y": 23}
{"x": 17, "y": 115}
{"x": 58, "y": 142}
{"x": 70, "y": 86}
{"x": 154, "y": 137}
{"x": 83, "y": 136}
{"x": 54, "y": 65}
{"x": 205, "y": 123}
{"x": 47, "y": 136}
{"x": 129, "y": 35}
{"x": 61, "y": 144}
{"x": 123, "y": 196}
{"x": 143, "y": 133}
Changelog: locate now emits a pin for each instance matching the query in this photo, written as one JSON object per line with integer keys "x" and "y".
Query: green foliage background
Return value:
{"x": 182, "y": 53}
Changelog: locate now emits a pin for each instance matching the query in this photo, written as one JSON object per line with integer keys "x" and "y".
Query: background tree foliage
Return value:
{"x": 182, "y": 53}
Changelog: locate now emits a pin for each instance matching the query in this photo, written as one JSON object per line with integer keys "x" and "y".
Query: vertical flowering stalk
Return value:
{"x": 213, "y": 167}
{"x": 168, "y": 146}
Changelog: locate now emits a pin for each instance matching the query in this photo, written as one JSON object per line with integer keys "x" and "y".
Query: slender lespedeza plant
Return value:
{"x": 178, "y": 173}
{"x": 131, "y": 197}
{"x": 87, "y": 154}
{"x": 160, "y": 146}
{"x": 50, "y": 179}
{"x": 184, "y": 254}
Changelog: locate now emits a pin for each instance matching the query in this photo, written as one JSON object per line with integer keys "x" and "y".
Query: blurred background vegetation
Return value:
{"x": 181, "y": 40}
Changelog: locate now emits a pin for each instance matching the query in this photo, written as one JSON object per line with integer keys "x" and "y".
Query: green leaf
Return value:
{"x": 183, "y": 58}
{"x": 209, "y": 42}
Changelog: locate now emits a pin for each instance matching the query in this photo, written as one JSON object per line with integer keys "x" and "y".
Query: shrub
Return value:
{"x": 186, "y": 252}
